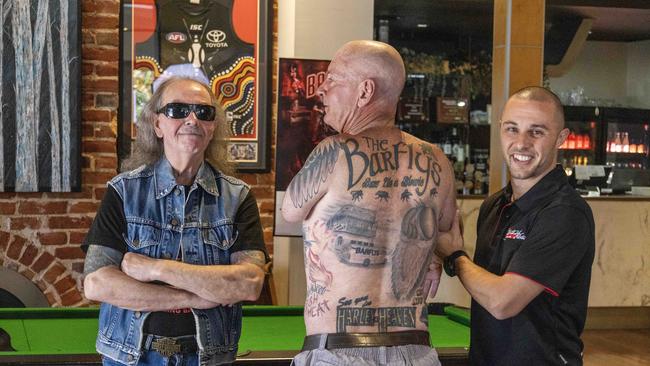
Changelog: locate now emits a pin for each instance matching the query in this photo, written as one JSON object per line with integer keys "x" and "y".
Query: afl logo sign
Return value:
{"x": 216, "y": 36}
{"x": 176, "y": 37}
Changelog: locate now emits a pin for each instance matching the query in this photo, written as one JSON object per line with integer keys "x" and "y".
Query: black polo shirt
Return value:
{"x": 547, "y": 236}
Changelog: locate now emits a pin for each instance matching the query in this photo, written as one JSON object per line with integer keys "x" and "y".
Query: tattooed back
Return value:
{"x": 372, "y": 205}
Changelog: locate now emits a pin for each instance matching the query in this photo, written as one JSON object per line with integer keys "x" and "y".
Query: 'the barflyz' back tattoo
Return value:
{"x": 319, "y": 165}
{"x": 364, "y": 167}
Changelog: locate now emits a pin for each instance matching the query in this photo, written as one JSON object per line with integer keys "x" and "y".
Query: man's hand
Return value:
{"x": 433, "y": 275}
{"x": 452, "y": 240}
{"x": 139, "y": 267}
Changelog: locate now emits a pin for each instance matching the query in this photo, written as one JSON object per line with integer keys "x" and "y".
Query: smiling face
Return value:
{"x": 189, "y": 135}
{"x": 531, "y": 133}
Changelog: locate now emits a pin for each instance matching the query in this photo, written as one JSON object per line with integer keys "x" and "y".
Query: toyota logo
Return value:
{"x": 216, "y": 36}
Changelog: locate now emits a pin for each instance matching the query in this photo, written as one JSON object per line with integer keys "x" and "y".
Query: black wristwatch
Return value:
{"x": 449, "y": 263}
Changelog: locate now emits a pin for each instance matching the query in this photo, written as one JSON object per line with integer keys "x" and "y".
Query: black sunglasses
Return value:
{"x": 203, "y": 112}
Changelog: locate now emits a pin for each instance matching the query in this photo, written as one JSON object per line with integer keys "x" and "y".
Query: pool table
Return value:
{"x": 271, "y": 335}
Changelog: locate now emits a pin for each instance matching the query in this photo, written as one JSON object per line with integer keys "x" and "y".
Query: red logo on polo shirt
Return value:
{"x": 515, "y": 234}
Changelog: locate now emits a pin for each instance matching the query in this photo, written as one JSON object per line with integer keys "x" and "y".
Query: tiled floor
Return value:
{"x": 617, "y": 347}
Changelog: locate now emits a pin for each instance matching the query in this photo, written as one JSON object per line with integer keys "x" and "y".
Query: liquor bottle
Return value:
{"x": 446, "y": 146}
{"x": 579, "y": 142}
{"x": 586, "y": 144}
{"x": 617, "y": 143}
{"x": 572, "y": 141}
{"x": 626, "y": 143}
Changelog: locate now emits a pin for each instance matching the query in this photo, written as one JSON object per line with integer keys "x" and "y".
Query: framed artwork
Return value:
{"x": 225, "y": 43}
{"x": 40, "y": 94}
{"x": 300, "y": 127}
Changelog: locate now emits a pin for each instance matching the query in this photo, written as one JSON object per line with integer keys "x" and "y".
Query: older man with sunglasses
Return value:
{"x": 177, "y": 243}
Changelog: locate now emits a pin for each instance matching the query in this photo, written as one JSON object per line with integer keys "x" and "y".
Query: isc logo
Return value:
{"x": 176, "y": 37}
{"x": 196, "y": 27}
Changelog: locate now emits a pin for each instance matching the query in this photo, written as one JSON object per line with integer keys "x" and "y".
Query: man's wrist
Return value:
{"x": 449, "y": 262}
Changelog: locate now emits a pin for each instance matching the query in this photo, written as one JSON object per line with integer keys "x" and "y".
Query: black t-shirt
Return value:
{"x": 547, "y": 236}
{"x": 109, "y": 229}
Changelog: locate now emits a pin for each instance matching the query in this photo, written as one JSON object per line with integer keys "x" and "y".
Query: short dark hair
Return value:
{"x": 541, "y": 94}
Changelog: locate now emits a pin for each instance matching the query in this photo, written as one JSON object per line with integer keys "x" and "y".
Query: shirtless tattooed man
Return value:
{"x": 372, "y": 200}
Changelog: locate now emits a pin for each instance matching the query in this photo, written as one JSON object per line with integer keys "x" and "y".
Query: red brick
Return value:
{"x": 51, "y": 298}
{"x": 100, "y": 21}
{"x": 87, "y": 38}
{"x": 15, "y": 247}
{"x": 77, "y": 237}
{"x": 98, "y": 178}
{"x": 53, "y": 238}
{"x": 4, "y": 240}
{"x": 101, "y": 85}
{"x": 67, "y": 222}
{"x": 27, "y": 273}
{"x": 43, "y": 261}
{"x": 250, "y": 179}
{"x": 7, "y": 208}
{"x": 99, "y": 6}
{"x": 65, "y": 284}
{"x": 42, "y": 207}
{"x": 107, "y": 100}
{"x": 99, "y": 192}
{"x": 84, "y": 207}
{"x": 266, "y": 179}
{"x": 19, "y": 223}
{"x": 71, "y": 297}
{"x": 69, "y": 253}
{"x": 267, "y": 221}
{"x": 89, "y": 115}
{"x": 108, "y": 39}
{"x": 86, "y": 193}
{"x": 88, "y": 100}
{"x": 106, "y": 162}
{"x": 41, "y": 285}
{"x": 267, "y": 206}
{"x": 53, "y": 273}
{"x": 29, "y": 255}
{"x": 262, "y": 192}
{"x": 91, "y": 146}
{"x": 86, "y": 163}
{"x": 98, "y": 53}
{"x": 87, "y": 68}
{"x": 268, "y": 237}
{"x": 104, "y": 132}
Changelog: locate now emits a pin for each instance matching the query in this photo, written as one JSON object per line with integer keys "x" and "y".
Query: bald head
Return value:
{"x": 378, "y": 61}
{"x": 542, "y": 95}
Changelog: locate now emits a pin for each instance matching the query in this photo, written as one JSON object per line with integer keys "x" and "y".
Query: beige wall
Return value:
{"x": 615, "y": 71}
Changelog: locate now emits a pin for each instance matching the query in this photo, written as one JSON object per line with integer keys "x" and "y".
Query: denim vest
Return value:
{"x": 162, "y": 223}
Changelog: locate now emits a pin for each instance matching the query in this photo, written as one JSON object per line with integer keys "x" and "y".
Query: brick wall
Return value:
{"x": 40, "y": 233}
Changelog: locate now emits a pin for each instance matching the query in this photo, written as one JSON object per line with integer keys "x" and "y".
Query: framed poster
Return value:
{"x": 226, "y": 43}
{"x": 40, "y": 96}
{"x": 300, "y": 127}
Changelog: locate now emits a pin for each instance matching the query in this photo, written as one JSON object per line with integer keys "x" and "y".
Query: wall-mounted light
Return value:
{"x": 423, "y": 25}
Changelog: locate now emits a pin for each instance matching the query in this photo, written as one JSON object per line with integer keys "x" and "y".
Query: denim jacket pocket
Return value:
{"x": 223, "y": 236}
{"x": 217, "y": 240}
{"x": 143, "y": 239}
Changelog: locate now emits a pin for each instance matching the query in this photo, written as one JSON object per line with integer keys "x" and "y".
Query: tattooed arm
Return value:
{"x": 310, "y": 184}
{"x": 448, "y": 202}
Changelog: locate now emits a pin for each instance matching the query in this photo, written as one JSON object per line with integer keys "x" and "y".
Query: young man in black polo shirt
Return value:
{"x": 530, "y": 276}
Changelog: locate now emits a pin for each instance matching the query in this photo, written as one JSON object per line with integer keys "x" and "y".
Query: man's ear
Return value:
{"x": 157, "y": 129}
{"x": 562, "y": 136}
{"x": 366, "y": 91}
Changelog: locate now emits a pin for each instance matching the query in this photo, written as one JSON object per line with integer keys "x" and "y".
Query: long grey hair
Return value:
{"x": 148, "y": 148}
